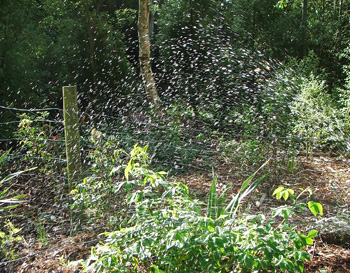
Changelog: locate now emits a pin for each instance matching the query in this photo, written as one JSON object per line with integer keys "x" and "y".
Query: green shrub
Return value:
{"x": 249, "y": 152}
{"x": 41, "y": 143}
{"x": 318, "y": 118}
{"x": 296, "y": 107}
{"x": 99, "y": 196}
{"x": 344, "y": 105}
{"x": 9, "y": 241}
{"x": 167, "y": 231}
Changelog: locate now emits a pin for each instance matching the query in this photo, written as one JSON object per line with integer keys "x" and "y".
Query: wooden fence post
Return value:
{"x": 72, "y": 136}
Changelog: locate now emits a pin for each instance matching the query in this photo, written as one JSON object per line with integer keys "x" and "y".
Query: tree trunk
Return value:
{"x": 340, "y": 10}
{"x": 151, "y": 21}
{"x": 145, "y": 54}
{"x": 304, "y": 30}
{"x": 91, "y": 27}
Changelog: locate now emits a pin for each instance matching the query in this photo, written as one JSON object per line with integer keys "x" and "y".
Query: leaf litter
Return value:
{"x": 328, "y": 176}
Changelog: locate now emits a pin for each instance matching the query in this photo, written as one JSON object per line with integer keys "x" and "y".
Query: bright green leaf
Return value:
{"x": 211, "y": 227}
{"x": 312, "y": 233}
{"x": 277, "y": 192}
{"x": 249, "y": 260}
{"x": 315, "y": 208}
{"x": 309, "y": 241}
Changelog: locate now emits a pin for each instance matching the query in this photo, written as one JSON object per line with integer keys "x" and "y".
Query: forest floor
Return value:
{"x": 329, "y": 177}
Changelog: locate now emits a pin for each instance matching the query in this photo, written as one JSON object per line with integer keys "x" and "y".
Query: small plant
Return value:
{"x": 288, "y": 211}
{"x": 291, "y": 164}
{"x": 315, "y": 207}
{"x": 41, "y": 143}
{"x": 8, "y": 241}
{"x": 100, "y": 194}
{"x": 248, "y": 152}
{"x": 6, "y": 202}
{"x": 40, "y": 229}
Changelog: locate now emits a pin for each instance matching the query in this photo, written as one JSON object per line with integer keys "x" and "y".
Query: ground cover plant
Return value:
{"x": 9, "y": 239}
{"x": 165, "y": 230}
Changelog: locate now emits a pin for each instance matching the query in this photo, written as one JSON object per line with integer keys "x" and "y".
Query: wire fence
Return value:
{"x": 180, "y": 138}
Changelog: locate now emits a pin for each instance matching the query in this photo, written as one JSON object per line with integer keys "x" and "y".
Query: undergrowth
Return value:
{"x": 161, "y": 228}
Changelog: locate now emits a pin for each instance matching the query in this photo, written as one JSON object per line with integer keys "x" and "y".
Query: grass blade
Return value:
{"x": 245, "y": 189}
{"x": 212, "y": 201}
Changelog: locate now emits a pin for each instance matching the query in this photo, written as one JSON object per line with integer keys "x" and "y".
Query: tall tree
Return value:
{"x": 145, "y": 54}
{"x": 90, "y": 30}
{"x": 304, "y": 29}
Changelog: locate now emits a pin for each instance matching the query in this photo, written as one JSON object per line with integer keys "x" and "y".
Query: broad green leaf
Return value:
{"x": 306, "y": 239}
{"x": 312, "y": 233}
{"x": 249, "y": 260}
{"x": 211, "y": 227}
{"x": 287, "y": 265}
{"x": 286, "y": 194}
{"x": 283, "y": 192}
{"x": 315, "y": 208}
{"x": 277, "y": 192}
{"x": 156, "y": 269}
{"x": 309, "y": 241}
{"x": 145, "y": 149}
{"x": 268, "y": 252}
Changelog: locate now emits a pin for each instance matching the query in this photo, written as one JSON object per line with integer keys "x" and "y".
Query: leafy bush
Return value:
{"x": 167, "y": 231}
{"x": 318, "y": 118}
{"x": 266, "y": 124}
{"x": 100, "y": 194}
{"x": 8, "y": 242}
{"x": 269, "y": 116}
{"x": 42, "y": 143}
{"x": 296, "y": 108}
{"x": 344, "y": 94}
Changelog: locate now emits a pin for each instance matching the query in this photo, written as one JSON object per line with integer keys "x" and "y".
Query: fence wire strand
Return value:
{"x": 31, "y": 109}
